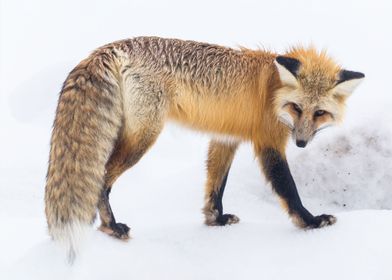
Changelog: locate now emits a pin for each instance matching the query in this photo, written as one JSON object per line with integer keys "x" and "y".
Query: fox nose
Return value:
{"x": 301, "y": 143}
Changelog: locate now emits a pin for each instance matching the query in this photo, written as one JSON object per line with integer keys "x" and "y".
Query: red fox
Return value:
{"x": 114, "y": 104}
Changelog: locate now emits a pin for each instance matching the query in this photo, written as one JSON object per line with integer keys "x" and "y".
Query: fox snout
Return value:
{"x": 303, "y": 131}
{"x": 301, "y": 143}
{"x": 301, "y": 140}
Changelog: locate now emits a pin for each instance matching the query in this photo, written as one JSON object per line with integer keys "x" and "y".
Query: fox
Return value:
{"x": 114, "y": 104}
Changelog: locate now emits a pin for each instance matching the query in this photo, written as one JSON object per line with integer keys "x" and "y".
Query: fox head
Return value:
{"x": 313, "y": 93}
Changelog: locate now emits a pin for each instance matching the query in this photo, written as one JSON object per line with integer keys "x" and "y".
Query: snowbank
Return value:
{"x": 351, "y": 168}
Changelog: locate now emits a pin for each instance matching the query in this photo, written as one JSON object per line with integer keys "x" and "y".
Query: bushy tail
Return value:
{"x": 87, "y": 122}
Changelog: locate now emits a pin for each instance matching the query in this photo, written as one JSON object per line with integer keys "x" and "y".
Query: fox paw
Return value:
{"x": 227, "y": 219}
{"x": 117, "y": 230}
{"x": 221, "y": 220}
{"x": 321, "y": 221}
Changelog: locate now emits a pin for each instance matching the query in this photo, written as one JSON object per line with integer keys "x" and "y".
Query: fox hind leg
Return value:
{"x": 144, "y": 112}
{"x": 128, "y": 151}
{"x": 220, "y": 157}
{"x": 109, "y": 224}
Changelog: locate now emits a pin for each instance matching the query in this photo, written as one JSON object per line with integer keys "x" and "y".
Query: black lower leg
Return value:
{"x": 218, "y": 195}
{"x": 216, "y": 199}
{"x": 109, "y": 224}
{"x": 105, "y": 210}
{"x": 278, "y": 172}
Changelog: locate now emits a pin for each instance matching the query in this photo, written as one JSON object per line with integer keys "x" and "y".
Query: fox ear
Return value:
{"x": 348, "y": 81}
{"x": 288, "y": 69}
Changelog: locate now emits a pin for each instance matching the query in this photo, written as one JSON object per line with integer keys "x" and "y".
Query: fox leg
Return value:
{"x": 220, "y": 157}
{"x": 144, "y": 107}
{"x": 278, "y": 173}
{"x": 128, "y": 151}
{"x": 108, "y": 222}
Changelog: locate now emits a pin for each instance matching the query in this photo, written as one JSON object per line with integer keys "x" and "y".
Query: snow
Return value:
{"x": 350, "y": 167}
{"x": 252, "y": 250}
{"x": 345, "y": 171}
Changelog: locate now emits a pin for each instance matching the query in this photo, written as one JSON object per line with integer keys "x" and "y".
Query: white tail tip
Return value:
{"x": 71, "y": 238}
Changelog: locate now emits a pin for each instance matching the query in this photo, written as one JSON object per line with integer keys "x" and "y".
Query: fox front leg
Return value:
{"x": 278, "y": 173}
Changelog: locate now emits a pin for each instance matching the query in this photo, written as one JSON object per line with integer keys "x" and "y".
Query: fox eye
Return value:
{"x": 319, "y": 113}
{"x": 297, "y": 108}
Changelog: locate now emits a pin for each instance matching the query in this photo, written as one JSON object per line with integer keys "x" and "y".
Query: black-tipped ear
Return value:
{"x": 348, "y": 81}
{"x": 346, "y": 75}
{"x": 291, "y": 64}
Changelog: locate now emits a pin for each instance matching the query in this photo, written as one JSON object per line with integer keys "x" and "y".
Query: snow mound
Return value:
{"x": 350, "y": 169}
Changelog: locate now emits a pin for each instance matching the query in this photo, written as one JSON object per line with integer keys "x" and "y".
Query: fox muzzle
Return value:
{"x": 301, "y": 143}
